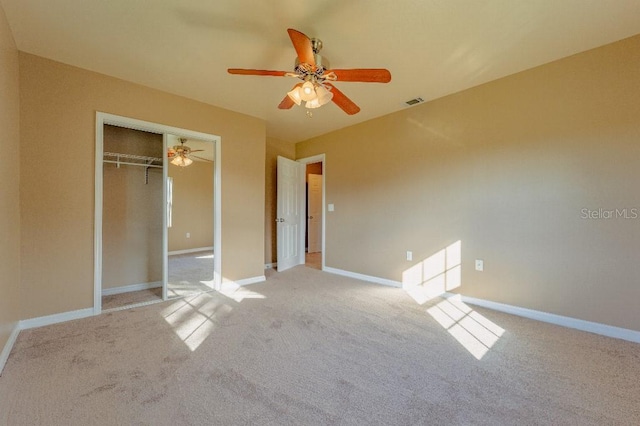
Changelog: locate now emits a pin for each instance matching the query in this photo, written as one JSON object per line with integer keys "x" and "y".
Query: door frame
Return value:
{"x": 320, "y": 158}
{"x": 146, "y": 126}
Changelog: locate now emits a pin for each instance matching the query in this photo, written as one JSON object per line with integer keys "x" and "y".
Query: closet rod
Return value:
{"x": 144, "y": 160}
{"x": 132, "y": 164}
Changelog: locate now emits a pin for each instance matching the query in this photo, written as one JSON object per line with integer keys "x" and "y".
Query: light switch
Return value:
{"x": 330, "y": 207}
{"x": 479, "y": 265}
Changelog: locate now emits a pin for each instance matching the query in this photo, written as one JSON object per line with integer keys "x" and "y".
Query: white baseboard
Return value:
{"x": 270, "y": 265}
{"x": 193, "y": 250}
{"x": 252, "y": 280}
{"x": 129, "y": 288}
{"x": 363, "y": 277}
{"x": 55, "y": 318}
{"x": 4, "y": 355}
{"x": 578, "y": 324}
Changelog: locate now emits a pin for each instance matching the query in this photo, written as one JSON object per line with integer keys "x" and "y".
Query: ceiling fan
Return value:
{"x": 316, "y": 75}
{"x": 180, "y": 154}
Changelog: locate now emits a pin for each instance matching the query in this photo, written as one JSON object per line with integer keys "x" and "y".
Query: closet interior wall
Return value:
{"x": 132, "y": 210}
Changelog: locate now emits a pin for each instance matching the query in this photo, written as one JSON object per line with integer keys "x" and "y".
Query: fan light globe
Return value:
{"x": 324, "y": 95}
{"x": 294, "y": 95}
{"x": 308, "y": 91}
{"x": 314, "y": 103}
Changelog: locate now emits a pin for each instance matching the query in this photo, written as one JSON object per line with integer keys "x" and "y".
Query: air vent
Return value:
{"x": 414, "y": 101}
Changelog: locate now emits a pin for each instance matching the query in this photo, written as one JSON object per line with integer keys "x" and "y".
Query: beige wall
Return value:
{"x": 132, "y": 211}
{"x": 274, "y": 148}
{"x": 506, "y": 168}
{"x": 192, "y": 206}
{"x": 58, "y": 107}
{"x": 10, "y": 181}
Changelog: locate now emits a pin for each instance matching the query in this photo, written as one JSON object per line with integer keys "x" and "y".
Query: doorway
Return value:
{"x": 291, "y": 213}
{"x": 315, "y": 223}
{"x": 313, "y": 232}
{"x": 156, "y": 170}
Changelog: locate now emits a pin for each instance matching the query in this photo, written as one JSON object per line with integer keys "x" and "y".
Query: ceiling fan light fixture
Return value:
{"x": 308, "y": 91}
{"x": 181, "y": 161}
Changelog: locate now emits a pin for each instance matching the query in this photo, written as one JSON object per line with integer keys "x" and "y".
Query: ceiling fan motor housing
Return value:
{"x": 322, "y": 64}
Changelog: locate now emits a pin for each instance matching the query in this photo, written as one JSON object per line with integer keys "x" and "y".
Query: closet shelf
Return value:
{"x": 131, "y": 160}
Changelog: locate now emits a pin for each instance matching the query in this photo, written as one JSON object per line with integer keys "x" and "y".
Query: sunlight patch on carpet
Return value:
{"x": 473, "y": 331}
{"x": 193, "y": 320}
{"x": 238, "y": 292}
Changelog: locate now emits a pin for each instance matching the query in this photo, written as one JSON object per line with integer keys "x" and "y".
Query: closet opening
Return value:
{"x": 157, "y": 213}
{"x": 132, "y": 211}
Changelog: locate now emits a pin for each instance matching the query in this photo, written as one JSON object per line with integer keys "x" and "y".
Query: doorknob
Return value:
{"x": 279, "y": 219}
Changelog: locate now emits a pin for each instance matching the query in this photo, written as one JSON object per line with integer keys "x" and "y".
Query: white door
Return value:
{"x": 314, "y": 213}
{"x": 290, "y": 213}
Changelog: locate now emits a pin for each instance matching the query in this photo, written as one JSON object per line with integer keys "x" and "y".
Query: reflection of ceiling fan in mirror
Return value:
{"x": 181, "y": 155}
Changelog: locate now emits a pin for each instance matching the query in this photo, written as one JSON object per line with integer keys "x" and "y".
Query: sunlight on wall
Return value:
{"x": 473, "y": 331}
{"x": 432, "y": 278}
{"x": 435, "y": 275}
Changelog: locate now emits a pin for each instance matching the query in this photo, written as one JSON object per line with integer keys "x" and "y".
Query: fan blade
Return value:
{"x": 201, "y": 158}
{"x": 303, "y": 47}
{"x": 367, "y": 75}
{"x": 287, "y": 102}
{"x": 242, "y": 71}
{"x": 195, "y": 150}
{"x": 340, "y": 99}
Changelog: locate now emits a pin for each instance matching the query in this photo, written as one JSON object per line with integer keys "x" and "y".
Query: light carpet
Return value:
{"x": 311, "y": 348}
{"x": 122, "y": 300}
{"x": 188, "y": 274}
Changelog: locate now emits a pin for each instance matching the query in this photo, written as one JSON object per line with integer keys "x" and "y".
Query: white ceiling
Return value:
{"x": 432, "y": 47}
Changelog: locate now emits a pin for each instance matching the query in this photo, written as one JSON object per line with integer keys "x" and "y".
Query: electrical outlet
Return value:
{"x": 188, "y": 234}
{"x": 479, "y": 265}
{"x": 409, "y": 255}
